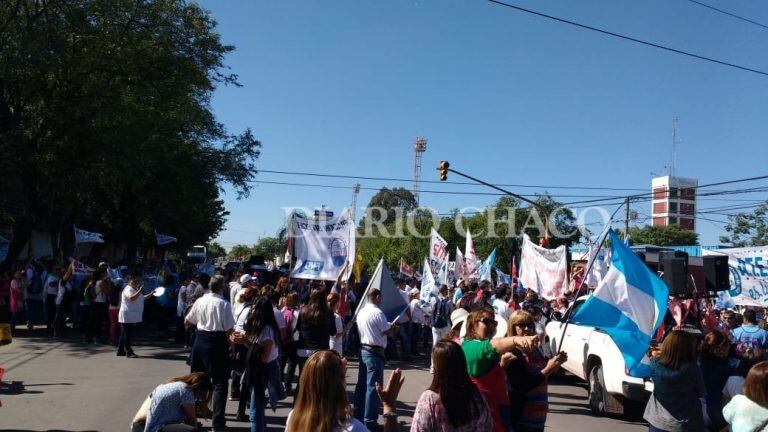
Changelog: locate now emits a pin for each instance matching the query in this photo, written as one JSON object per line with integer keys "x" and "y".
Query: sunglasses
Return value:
{"x": 488, "y": 321}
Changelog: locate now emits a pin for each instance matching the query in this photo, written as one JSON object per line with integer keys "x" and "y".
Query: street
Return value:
{"x": 71, "y": 386}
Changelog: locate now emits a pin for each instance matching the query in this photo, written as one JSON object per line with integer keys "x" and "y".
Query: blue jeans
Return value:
{"x": 34, "y": 311}
{"x": 370, "y": 372}
{"x": 404, "y": 334}
{"x": 274, "y": 384}
{"x": 257, "y": 417}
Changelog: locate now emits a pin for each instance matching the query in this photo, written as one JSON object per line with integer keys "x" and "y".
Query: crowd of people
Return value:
{"x": 261, "y": 338}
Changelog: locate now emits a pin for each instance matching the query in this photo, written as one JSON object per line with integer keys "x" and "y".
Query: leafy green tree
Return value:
{"x": 392, "y": 201}
{"x": 105, "y": 121}
{"x": 748, "y": 229}
{"x": 269, "y": 247}
{"x": 215, "y": 250}
{"x": 670, "y": 235}
{"x": 240, "y": 252}
{"x": 506, "y": 219}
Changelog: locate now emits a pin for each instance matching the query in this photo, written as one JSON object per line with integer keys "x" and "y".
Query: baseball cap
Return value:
{"x": 244, "y": 279}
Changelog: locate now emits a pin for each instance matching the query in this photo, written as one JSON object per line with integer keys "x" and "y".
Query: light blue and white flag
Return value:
{"x": 428, "y": 284}
{"x": 392, "y": 302}
{"x": 442, "y": 275}
{"x": 163, "y": 239}
{"x": 82, "y": 236}
{"x": 503, "y": 278}
{"x": 629, "y": 304}
{"x": 486, "y": 266}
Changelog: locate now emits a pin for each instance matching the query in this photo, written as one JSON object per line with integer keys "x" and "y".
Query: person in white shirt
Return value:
{"x": 404, "y": 325}
{"x": 51, "y": 290}
{"x": 417, "y": 319}
{"x": 335, "y": 341}
{"x": 63, "y": 294}
{"x": 374, "y": 329}
{"x": 238, "y": 285}
{"x": 261, "y": 328}
{"x": 214, "y": 321}
{"x": 501, "y": 302}
{"x": 99, "y": 306}
{"x": 129, "y": 315}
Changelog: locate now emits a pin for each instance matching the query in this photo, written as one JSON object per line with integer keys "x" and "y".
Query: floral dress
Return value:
{"x": 430, "y": 416}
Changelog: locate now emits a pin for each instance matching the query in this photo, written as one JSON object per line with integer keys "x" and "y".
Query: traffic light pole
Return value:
{"x": 533, "y": 203}
{"x": 536, "y": 205}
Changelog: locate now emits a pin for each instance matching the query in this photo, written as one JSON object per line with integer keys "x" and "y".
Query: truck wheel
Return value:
{"x": 600, "y": 401}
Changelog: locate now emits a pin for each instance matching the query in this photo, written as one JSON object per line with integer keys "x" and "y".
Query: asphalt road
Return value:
{"x": 70, "y": 386}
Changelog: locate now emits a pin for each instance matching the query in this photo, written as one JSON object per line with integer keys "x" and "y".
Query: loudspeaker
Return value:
{"x": 674, "y": 265}
{"x": 716, "y": 273}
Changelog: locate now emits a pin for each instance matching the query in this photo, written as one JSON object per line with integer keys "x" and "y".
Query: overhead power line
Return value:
{"x": 445, "y": 192}
{"x": 729, "y": 14}
{"x": 629, "y": 38}
{"x": 314, "y": 174}
{"x": 650, "y": 194}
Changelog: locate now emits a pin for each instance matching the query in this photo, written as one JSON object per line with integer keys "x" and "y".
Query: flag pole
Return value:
{"x": 569, "y": 312}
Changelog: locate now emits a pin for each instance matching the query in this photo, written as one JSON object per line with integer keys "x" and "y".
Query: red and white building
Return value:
{"x": 674, "y": 201}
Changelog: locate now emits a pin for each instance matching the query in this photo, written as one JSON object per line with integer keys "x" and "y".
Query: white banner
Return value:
{"x": 323, "y": 246}
{"x": 163, "y": 239}
{"x": 82, "y": 236}
{"x": 459, "y": 270}
{"x": 543, "y": 270}
{"x": 471, "y": 261}
{"x": 749, "y": 275}
{"x": 80, "y": 269}
{"x": 438, "y": 252}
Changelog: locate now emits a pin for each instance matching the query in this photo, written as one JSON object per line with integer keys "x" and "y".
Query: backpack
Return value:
{"x": 440, "y": 317}
{"x": 255, "y": 369}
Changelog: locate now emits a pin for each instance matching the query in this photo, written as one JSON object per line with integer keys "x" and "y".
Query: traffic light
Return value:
{"x": 443, "y": 168}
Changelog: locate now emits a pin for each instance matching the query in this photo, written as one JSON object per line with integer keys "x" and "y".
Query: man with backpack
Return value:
{"x": 749, "y": 335}
{"x": 442, "y": 306}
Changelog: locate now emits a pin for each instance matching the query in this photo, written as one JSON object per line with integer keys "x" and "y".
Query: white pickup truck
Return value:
{"x": 595, "y": 358}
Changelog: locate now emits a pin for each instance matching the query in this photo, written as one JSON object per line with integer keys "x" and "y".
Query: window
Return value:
{"x": 659, "y": 193}
{"x": 672, "y": 220}
{"x": 659, "y": 221}
{"x": 686, "y": 223}
{"x": 673, "y": 207}
{"x": 688, "y": 193}
{"x": 673, "y": 192}
{"x": 686, "y": 209}
{"x": 660, "y": 207}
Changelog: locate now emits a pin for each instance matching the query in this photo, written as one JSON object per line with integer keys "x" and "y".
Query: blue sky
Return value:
{"x": 344, "y": 87}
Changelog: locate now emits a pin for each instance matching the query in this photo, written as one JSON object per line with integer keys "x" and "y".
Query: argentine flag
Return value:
{"x": 629, "y": 304}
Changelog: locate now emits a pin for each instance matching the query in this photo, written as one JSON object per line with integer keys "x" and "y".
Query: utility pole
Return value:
{"x": 355, "y": 191}
{"x": 626, "y": 220}
{"x": 674, "y": 147}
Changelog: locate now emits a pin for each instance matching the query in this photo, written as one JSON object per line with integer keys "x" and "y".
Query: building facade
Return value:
{"x": 674, "y": 201}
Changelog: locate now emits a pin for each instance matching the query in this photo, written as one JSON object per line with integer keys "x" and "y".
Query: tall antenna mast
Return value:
{"x": 674, "y": 147}
{"x": 419, "y": 147}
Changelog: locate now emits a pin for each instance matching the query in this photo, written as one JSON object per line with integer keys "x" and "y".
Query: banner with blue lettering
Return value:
{"x": 749, "y": 274}
{"x": 322, "y": 246}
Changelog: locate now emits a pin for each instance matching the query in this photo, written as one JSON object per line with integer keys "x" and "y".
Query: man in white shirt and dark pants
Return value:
{"x": 374, "y": 328}
{"x": 212, "y": 315}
